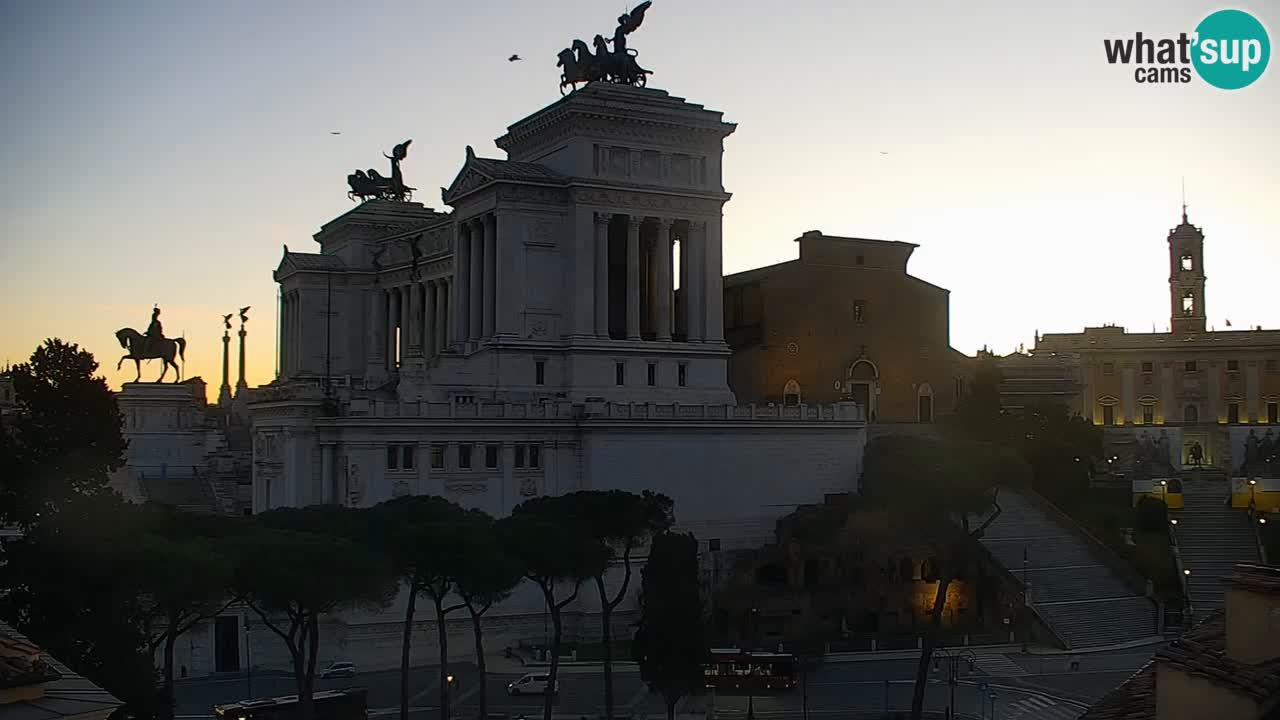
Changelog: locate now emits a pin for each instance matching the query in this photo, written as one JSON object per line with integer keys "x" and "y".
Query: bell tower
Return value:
{"x": 1186, "y": 277}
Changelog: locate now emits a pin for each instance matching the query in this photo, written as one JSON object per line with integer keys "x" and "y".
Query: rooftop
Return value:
{"x": 35, "y": 686}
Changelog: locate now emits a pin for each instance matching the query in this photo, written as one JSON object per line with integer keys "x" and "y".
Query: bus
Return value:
{"x": 734, "y": 669}
{"x": 348, "y": 704}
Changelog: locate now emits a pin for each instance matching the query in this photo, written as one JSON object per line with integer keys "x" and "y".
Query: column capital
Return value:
{"x": 697, "y": 225}
{"x": 602, "y": 218}
{"x": 664, "y": 223}
{"x": 633, "y": 221}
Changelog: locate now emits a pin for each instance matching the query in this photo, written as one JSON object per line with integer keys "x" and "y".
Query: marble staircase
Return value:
{"x": 1212, "y": 538}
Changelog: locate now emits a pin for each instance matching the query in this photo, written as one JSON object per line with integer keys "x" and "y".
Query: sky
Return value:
{"x": 164, "y": 152}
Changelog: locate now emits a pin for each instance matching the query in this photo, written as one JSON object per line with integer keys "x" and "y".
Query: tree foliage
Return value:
{"x": 488, "y": 577}
{"x": 671, "y": 643}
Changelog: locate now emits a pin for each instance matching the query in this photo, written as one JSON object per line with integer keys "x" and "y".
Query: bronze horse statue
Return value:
{"x": 142, "y": 348}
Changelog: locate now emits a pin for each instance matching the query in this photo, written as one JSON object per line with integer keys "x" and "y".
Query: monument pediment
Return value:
{"x": 291, "y": 262}
{"x": 478, "y": 172}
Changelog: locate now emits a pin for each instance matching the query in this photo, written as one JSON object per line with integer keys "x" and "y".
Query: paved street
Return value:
{"x": 1025, "y": 686}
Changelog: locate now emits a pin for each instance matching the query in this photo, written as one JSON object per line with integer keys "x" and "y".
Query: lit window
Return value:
{"x": 1188, "y": 264}
{"x": 1189, "y": 303}
{"x": 791, "y": 393}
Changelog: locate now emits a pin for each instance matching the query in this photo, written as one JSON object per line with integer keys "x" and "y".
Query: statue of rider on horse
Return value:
{"x": 150, "y": 346}
{"x": 616, "y": 66}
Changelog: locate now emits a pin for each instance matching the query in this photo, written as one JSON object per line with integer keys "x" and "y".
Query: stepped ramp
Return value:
{"x": 1212, "y": 538}
{"x": 1083, "y": 598}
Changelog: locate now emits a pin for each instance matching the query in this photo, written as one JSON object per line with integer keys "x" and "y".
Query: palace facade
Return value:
{"x": 1207, "y": 390}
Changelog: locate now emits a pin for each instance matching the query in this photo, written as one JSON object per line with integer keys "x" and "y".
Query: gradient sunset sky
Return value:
{"x": 163, "y": 152}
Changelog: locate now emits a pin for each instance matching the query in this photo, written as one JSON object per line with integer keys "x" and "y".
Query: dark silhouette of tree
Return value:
{"x": 670, "y": 645}
{"x": 939, "y": 489}
{"x": 621, "y": 521}
{"x": 488, "y": 577}
{"x": 291, "y": 577}
{"x": 542, "y": 536}
{"x": 420, "y": 536}
{"x": 64, "y": 439}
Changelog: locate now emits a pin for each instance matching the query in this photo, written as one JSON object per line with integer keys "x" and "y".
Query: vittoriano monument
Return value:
{"x": 371, "y": 184}
{"x": 150, "y": 346}
{"x": 618, "y": 66}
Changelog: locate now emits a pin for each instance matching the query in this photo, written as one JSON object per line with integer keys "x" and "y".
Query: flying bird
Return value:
{"x": 514, "y": 58}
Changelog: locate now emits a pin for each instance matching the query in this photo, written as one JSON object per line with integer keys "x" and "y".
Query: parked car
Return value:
{"x": 532, "y": 684}
{"x": 339, "y": 669}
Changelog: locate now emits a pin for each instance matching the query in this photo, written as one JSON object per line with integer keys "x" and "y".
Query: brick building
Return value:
{"x": 844, "y": 321}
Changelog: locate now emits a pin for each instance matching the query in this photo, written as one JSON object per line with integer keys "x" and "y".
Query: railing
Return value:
{"x": 600, "y": 411}
{"x": 1175, "y": 548}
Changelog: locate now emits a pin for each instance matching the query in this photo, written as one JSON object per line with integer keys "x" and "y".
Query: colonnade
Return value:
{"x": 410, "y": 320}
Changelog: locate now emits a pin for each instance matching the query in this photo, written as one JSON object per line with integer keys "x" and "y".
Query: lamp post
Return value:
{"x": 952, "y": 661}
{"x": 248, "y": 657}
{"x": 1163, "y": 485}
{"x": 1253, "y": 483}
{"x": 448, "y": 697}
{"x": 992, "y": 697}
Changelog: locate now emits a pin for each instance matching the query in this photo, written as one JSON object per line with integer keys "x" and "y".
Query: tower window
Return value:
{"x": 859, "y": 311}
{"x": 1189, "y": 303}
{"x": 1187, "y": 263}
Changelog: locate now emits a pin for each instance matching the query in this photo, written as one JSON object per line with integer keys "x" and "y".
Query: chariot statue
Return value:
{"x": 618, "y": 65}
{"x": 368, "y": 185}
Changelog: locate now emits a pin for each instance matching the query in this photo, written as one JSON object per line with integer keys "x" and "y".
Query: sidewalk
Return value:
{"x": 1007, "y": 649}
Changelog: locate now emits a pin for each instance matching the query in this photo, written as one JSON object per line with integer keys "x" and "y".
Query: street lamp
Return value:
{"x": 1163, "y": 484}
{"x": 952, "y": 660}
{"x": 445, "y": 712}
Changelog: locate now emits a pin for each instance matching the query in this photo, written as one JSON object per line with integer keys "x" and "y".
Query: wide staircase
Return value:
{"x": 1212, "y": 538}
{"x": 1083, "y": 599}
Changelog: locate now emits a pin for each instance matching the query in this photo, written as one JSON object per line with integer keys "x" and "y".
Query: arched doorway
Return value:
{"x": 791, "y": 393}
{"x": 924, "y": 403}
{"x": 862, "y": 383}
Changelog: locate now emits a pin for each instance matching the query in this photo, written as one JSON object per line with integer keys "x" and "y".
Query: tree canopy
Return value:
{"x": 671, "y": 643}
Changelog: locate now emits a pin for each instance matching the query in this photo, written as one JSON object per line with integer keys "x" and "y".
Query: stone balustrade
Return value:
{"x": 602, "y": 411}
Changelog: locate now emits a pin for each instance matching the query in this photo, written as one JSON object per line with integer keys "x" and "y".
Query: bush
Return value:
{"x": 1152, "y": 515}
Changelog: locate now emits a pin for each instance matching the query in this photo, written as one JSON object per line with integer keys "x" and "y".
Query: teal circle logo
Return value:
{"x": 1232, "y": 49}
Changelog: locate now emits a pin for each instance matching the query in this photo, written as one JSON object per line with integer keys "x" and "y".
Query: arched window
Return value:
{"x": 924, "y": 403}
{"x": 1190, "y": 414}
{"x": 791, "y": 393}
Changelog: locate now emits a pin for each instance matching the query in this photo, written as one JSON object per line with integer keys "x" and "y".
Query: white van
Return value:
{"x": 532, "y": 684}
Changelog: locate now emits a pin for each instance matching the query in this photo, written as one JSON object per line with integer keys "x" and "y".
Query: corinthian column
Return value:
{"x": 633, "y": 278}
{"x": 430, "y": 346}
{"x": 662, "y": 250}
{"x": 602, "y": 274}
{"x": 475, "y": 296}
{"x": 490, "y": 275}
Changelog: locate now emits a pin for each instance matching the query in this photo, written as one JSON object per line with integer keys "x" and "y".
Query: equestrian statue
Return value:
{"x": 615, "y": 66}
{"x": 150, "y": 346}
{"x": 371, "y": 184}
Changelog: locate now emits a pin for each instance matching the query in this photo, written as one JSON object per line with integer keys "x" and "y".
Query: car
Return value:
{"x": 531, "y": 684}
{"x": 339, "y": 669}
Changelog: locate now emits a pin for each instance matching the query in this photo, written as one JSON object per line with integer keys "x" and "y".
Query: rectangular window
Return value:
{"x": 437, "y": 456}
{"x": 1233, "y": 413}
{"x": 535, "y": 456}
{"x": 620, "y": 373}
{"x": 1148, "y": 368}
{"x": 1189, "y": 366}
{"x": 1148, "y": 414}
{"x": 407, "y": 457}
{"x": 393, "y": 457}
{"x": 1233, "y": 366}
{"x": 682, "y": 375}
{"x": 1273, "y": 413}
{"x": 1108, "y": 368}
{"x": 464, "y": 457}
{"x": 653, "y": 374}
{"x": 859, "y": 312}
{"x": 540, "y": 372}
{"x": 1108, "y": 415}
{"x": 491, "y": 457}
{"x": 519, "y": 455}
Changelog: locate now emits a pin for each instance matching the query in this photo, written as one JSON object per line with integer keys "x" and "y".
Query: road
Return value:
{"x": 1024, "y": 686}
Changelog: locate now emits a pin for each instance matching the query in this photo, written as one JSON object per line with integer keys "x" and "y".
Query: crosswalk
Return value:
{"x": 998, "y": 665}
{"x": 1039, "y": 708}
